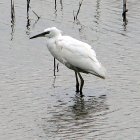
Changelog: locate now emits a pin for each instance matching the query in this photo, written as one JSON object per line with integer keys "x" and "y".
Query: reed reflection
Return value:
{"x": 12, "y": 19}
{"x": 97, "y": 16}
{"x": 61, "y": 3}
{"x": 125, "y": 10}
{"x": 28, "y": 18}
{"x": 75, "y": 16}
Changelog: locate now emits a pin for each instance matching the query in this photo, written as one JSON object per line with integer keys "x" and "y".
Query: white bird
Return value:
{"x": 74, "y": 54}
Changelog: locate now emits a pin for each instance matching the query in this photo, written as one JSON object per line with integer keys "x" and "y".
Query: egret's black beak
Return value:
{"x": 39, "y": 35}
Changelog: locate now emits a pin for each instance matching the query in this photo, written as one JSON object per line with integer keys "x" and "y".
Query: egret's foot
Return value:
{"x": 77, "y": 87}
{"x": 81, "y": 94}
{"x": 77, "y": 90}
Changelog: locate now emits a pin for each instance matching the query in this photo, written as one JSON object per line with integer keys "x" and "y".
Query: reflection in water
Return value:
{"x": 125, "y": 21}
{"x": 82, "y": 30}
{"x": 76, "y": 16}
{"x": 79, "y": 108}
{"x": 125, "y": 25}
{"x": 61, "y": 3}
{"x": 36, "y": 14}
{"x": 82, "y": 108}
{"x": 97, "y": 16}
{"x": 28, "y": 5}
{"x": 56, "y": 67}
{"x": 79, "y": 117}
{"x": 35, "y": 21}
{"x": 12, "y": 19}
{"x": 53, "y": 84}
{"x": 124, "y": 12}
{"x": 55, "y": 7}
{"x": 28, "y": 19}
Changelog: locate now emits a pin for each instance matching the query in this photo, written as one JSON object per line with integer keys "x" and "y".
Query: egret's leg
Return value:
{"x": 82, "y": 83}
{"x": 77, "y": 82}
{"x": 54, "y": 64}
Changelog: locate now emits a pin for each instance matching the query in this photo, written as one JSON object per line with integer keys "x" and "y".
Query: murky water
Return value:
{"x": 34, "y": 105}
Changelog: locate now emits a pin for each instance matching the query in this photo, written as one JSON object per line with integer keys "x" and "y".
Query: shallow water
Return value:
{"x": 34, "y": 105}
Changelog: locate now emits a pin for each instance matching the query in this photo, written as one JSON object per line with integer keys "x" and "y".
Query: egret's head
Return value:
{"x": 48, "y": 33}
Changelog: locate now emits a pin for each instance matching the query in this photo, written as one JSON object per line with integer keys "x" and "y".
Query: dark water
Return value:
{"x": 34, "y": 105}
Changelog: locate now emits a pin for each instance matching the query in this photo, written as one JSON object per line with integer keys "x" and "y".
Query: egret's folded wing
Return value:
{"x": 78, "y": 54}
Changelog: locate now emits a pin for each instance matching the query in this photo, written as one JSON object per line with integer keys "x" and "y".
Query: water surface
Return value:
{"x": 35, "y": 105}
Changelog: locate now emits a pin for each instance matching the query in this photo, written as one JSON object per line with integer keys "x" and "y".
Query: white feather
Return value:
{"x": 75, "y": 55}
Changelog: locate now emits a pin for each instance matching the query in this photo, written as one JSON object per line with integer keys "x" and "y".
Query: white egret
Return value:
{"x": 74, "y": 54}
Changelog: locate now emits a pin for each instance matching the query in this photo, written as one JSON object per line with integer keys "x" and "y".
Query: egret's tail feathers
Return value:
{"x": 102, "y": 72}
{"x": 99, "y": 72}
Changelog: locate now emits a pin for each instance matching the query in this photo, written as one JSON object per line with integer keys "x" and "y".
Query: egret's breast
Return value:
{"x": 56, "y": 51}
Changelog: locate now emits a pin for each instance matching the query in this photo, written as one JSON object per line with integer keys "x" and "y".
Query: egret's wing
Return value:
{"x": 79, "y": 55}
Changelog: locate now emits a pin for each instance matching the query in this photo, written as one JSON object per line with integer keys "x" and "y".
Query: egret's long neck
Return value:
{"x": 56, "y": 36}
{"x": 53, "y": 38}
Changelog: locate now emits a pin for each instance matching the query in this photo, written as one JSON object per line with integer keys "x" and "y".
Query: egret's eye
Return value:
{"x": 47, "y": 32}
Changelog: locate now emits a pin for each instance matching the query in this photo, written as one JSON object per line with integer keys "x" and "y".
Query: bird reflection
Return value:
{"x": 79, "y": 108}
{"x": 81, "y": 114}
{"x": 83, "y": 108}
{"x": 53, "y": 84}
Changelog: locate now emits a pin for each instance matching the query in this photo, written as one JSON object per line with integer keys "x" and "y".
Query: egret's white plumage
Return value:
{"x": 74, "y": 54}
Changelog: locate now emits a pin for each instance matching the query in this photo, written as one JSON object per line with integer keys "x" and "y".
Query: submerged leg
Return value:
{"x": 82, "y": 83}
{"x": 77, "y": 83}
